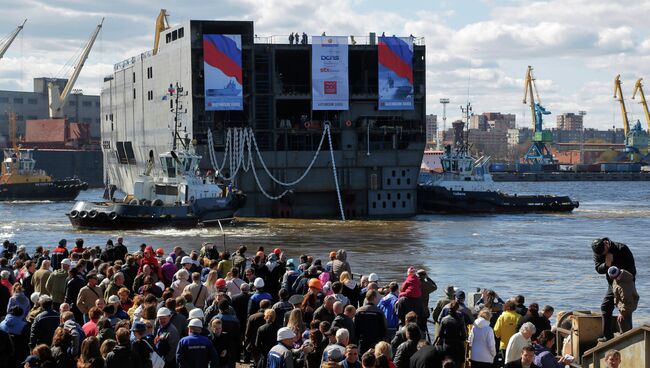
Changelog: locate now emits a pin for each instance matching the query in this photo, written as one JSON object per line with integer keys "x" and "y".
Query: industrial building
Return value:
{"x": 79, "y": 108}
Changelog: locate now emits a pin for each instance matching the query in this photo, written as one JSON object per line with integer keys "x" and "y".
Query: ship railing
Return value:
{"x": 131, "y": 61}
{"x": 352, "y": 40}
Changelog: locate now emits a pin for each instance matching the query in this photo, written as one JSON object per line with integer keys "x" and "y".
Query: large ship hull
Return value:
{"x": 433, "y": 198}
{"x": 123, "y": 216}
{"x": 57, "y": 190}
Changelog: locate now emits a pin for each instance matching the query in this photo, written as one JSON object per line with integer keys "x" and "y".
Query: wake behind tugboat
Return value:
{"x": 465, "y": 186}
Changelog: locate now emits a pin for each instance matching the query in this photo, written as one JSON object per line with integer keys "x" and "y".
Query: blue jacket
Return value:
{"x": 196, "y": 351}
{"x": 256, "y": 298}
{"x": 544, "y": 358}
{"x": 13, "y": 325}
{"x": 387, "y": 305}
{"x": 20, "y": 300}
{"x": 43, "y": 327}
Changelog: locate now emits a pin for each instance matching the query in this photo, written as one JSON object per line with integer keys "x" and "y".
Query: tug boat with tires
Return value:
{"x": 465, "y": 186}
{"x": 20, "y": 181}
{"x": 176, "y": 197}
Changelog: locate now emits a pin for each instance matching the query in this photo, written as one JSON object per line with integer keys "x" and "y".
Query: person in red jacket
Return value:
{"x": 151, "y": 260}
{"x": 411, "y": 287}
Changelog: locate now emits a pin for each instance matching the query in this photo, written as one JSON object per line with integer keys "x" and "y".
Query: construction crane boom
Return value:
{"x": 11, "y": 38}
{"x": 618, "y": 93}
{"x": 57, "y": 99}
{"x": 638, "y": 87}
{"x": 538, "y": 153}
{"x": 162, "y": 23}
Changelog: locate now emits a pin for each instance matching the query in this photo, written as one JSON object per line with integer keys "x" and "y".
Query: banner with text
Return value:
{"x": 329, "y": 73}
{"x": 395, "y": 73}
{"x": 222, "y": 72}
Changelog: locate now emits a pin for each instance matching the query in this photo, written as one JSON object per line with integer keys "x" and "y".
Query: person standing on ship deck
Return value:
{"x": 607, "y": 253}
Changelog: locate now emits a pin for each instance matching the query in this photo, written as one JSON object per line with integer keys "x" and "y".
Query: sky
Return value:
{"x": 476, "y": 50}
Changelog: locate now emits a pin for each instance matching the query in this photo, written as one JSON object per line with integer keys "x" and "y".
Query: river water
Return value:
{"x": 546, "y": 257}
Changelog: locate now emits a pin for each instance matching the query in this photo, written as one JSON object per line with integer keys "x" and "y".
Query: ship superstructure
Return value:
{"x": 376, "y": 152}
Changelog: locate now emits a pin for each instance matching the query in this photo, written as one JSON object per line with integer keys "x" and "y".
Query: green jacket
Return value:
{"x": 111, "y": 289}
{"x": 55, "y": 285}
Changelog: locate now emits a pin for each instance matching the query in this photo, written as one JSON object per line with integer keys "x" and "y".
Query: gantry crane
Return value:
{"x": 638, "y": 87}
{"x": 538, "y": 153}
{"x": 57, "y": 99}
{"x": 10, "y": 39}
{"x": 635, "y": 137}
{"x": 162, "y": 23}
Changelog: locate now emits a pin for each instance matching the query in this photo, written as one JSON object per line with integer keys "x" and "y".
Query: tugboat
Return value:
{"x": 20, "y": 181}
{"x": 172, "y": 195}
{"x": 175, "y": 198}
{"x": 465, "y": 186}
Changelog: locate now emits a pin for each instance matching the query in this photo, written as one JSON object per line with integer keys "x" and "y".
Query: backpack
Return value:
{"x": 156, "y": 360}
{"x": 275, "y": 360}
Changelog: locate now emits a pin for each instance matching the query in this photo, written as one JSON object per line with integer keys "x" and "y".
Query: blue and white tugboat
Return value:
{"x": 466, "y": 186}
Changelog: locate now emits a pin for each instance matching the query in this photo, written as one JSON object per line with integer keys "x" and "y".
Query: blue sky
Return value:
{"x": 576, "y": 46}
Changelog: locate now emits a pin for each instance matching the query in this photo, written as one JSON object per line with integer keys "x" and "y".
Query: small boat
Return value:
{"x": 466, "y": 186}
{"x": 21, "y": 181}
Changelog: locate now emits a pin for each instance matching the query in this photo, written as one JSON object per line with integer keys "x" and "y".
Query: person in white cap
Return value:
{"x": 55, "y": 284}
{"x": 625, "y": 296}
{"x": 281, "y": 354}
{"x": 195, "y": 350}
{"x": 166, "y": 337}
{"x": 258, "y": 296}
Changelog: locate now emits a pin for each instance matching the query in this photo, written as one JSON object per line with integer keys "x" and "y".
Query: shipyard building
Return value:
{"x": 79, "y": 109}
{"x": 377, "y": 145}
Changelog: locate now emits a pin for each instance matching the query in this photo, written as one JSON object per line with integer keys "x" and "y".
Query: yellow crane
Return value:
{"x": 638, "y": 87}
{"x": 618, "y": 93}
{"x": 161, "y": 24}
{"x": 12, "y": 36}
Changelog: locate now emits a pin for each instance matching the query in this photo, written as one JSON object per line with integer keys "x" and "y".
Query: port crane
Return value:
{"x": 162, "y": 23}
{"x": 635, "y": 137}
{"x": 57, "y": 99}
{"x": 538, "y": 153}
{"x": 638, "y": 87}
{"x": 4, "y": 46}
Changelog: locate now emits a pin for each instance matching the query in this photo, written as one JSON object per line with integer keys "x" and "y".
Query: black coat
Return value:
{"x": 121, "y": 357}
{"x": 4, "y": 300}
{"x": 6, "y": 349}
{"x": 370, "y": 326}
{"x": 240, "y": 305}
{"x": 266, "y": 339}
{"x": 43, "y": 327}
{"x": 404, "y": 353}
{"x": 623, "y": 259}
{"x": 343, "y": 321}
{"x": 427, "y": 357}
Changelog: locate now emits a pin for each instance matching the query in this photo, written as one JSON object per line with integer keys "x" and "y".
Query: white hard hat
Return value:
{"x": 285, "y": 333}
{"x": 373, "y": 277}
{"x": 163, "y": 312}
{"x": 113, "y": 299}
{"x": 195, "y": 322}
{"x": 34, "y": 297}
{"x": 258, "y": 283}
{"x": 196, "y": 313}
{"x": 66, "y": 261}
{"x": 186, "y": 260}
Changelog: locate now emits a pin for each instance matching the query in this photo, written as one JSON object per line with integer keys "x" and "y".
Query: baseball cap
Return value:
{"x": 296, "y": 299}
{"x": 66, "y": 261}
{"x": 460, "y": 295}
{"x": 373, "y": 277}
{"x": 422, "y": 272}
{"x": 285, "y": 333}
{"x": 139, "y": 327}
{"x": 186, "y": 260}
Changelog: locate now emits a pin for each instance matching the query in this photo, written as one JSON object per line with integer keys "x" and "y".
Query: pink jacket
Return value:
{"x": 411, "y": 287}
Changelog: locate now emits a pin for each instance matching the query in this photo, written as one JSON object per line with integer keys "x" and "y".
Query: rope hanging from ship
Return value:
{"x": 240, "y": 140}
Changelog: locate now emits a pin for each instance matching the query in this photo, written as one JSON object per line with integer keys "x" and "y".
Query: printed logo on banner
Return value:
{"x": 222, "y": 72}
{"x": 329, "y": 87}
{"x": 395, "y": 73}
{"x": 330, "y": 73}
